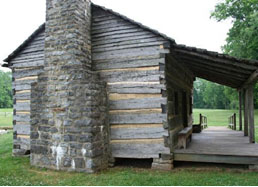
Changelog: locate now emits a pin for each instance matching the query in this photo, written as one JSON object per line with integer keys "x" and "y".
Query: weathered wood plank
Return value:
{"x": 115, "y": 97}
{"x": 128, "y": 53}
{"x": 137, "y": 103}
{"x": 147, "y": 149}
{"x": 22, "y": 117}
{"x": 22, "y": 95}
{"x": 33, "y": 63}
{"x": 131, "y": 46}
{"x": 136, "y": 111}
{"x": 138, "y": 118}
{"x": 27, "y": 73}
{"x": 134, "y": 76}
{"x": 137, "y": 36}
{"x": 215, "y": 158}
{"x": 129, "y": 64}
{"x": 22, "y": 129}
{"x": 137, "y": 132}
{"x": 22, "y": 106}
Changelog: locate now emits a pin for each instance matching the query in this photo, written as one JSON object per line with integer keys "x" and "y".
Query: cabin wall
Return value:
{"x": 131, "y": 60}
{"x": 26, "y": 67}
{"x": 179, "y": 83}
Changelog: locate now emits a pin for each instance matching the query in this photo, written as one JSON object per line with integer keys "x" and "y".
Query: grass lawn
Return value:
{"x": 6, "y": 118}
{"x": 17, "y": 171}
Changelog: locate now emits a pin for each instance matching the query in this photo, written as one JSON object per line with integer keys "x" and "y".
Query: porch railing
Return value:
{"x": 203, "y": 121}
{"x": 232, "y": 121}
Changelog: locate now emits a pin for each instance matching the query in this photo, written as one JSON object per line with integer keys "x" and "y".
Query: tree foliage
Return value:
{"x": 242, "y": 42}
{"x": 6, "y": 100}
{"x": 214, "y": 96}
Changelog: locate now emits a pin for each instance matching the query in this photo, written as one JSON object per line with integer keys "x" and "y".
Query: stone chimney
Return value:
{"x": 69, "y": 124}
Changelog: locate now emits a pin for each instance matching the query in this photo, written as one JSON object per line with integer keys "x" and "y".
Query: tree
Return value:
{"x": 6, "y": 100}
{"x": 242, "y": 40}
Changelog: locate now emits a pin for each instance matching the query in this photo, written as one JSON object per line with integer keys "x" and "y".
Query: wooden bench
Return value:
{"x": 183, "y": 137}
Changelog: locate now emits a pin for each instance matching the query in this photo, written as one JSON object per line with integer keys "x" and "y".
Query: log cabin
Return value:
{"x": 91, "y": 85}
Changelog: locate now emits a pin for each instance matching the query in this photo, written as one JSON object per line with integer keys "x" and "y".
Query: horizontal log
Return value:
{"x": 137, "y": 36}
{"x": 27, "y": 73}
{"x": 126, "y": 53}
{"x": 131, "y": 46}
{"x": 22, "y": 106}
{"x": 29, "y": 56}
{"x": 115, "y": 22}
{"x": 22, "y": 117}
{"x": 24, "y": 64}
{"x": 135, "y": 88}
{"x": 22, "y": 129}
{"x": 137, "y": 132}
{"x": 121, "y": 36}
{"x": 25, "y": 61}
{"x": 129, "y": 64}
{"x": 18, "y": 87}
{"x": 137, "y": 118}
{"x": 132, "y": 76}
{"x": 138, "y": 111}
{"x": 111, "y": 28}
{"x": 131, "y": 69}
{"x": 137, "y": 103}
{"x": 27, "y": 78}
{"x": 115, "y": 97}
{"x": 138, "y": 149}
{"x": 123, "y": 31}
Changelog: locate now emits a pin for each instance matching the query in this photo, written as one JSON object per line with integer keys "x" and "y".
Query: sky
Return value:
{"x": 186, "y": 21}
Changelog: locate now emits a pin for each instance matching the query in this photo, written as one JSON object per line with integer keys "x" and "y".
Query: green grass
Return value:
{"x": 6, "y": 118}
{"x": 17, "y": 171}
{"x": 218, "y": 117}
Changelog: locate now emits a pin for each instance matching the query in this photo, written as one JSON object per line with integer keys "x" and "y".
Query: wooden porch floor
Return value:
{"x": 219, "y": 145}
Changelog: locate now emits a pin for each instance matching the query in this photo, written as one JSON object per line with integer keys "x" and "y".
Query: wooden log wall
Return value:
{"x": 131, "y": 61}
{"x": 179, "y": 82}
{"x": 26, "y": 67}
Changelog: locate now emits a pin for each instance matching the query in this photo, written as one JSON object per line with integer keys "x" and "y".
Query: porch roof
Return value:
{"x": 219, "y": 68}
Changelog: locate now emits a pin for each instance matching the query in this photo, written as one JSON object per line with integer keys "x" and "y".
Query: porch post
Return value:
{"x": 251, "y": 114}
{"x": 245, "y": 112}
{"x": 240, "y": 110}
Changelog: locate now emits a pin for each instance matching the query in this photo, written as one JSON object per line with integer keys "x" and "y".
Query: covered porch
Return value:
{"x": 240, "y": 74}
{"x": 219, "y": 145}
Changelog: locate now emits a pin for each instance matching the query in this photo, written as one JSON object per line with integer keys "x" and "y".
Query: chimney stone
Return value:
{"x": 69, "y": 118}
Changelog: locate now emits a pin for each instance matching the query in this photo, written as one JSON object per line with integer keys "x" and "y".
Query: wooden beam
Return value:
{"x": 246, "y": 112}
{"x": 224, "y": 73}
{"x": 240, "y": 109}
{"x": 216, "y": 65}
{"x": 251, "y": 114}
{"x": 217, "y": 80}
{"x": 220, "y": 70}
{"x": 216, "y": 59}
{"x": 251, "y": 80}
